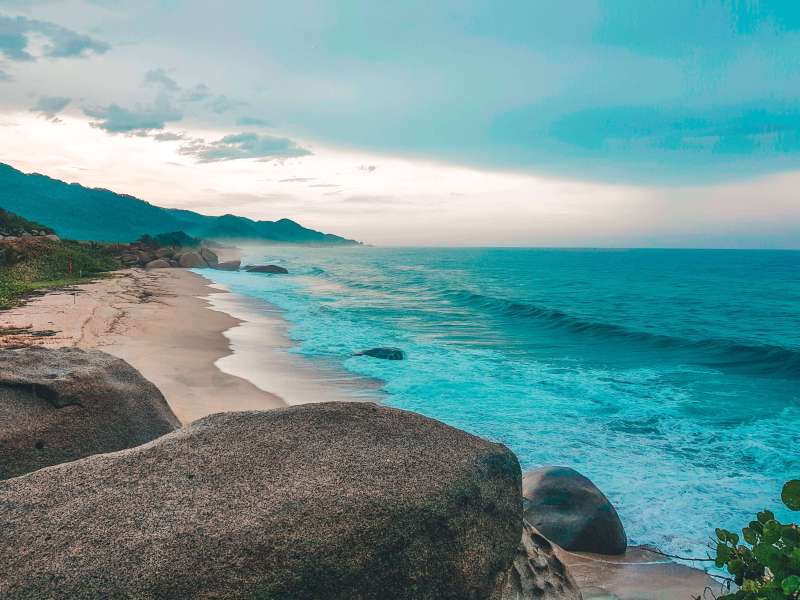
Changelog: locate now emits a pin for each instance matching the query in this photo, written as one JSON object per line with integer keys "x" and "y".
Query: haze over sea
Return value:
{"x": 671, "y": 378}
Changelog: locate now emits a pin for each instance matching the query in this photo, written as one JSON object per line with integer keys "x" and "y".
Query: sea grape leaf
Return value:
{"x": 791, "y": 585}
{"x": 764, "y": 516}
{"x": 791, "y": 494}
{"x": 772, "y": 531}
{"x": 790, "y": 535}
{"x": 750, "y": 536}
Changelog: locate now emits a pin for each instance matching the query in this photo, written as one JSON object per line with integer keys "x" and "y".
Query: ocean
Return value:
{"x": 670, "y": 378}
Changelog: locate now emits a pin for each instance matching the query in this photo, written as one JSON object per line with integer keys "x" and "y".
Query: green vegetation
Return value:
{"x": 34, "y": 264}
{"x": 173, "y": 239}
{"x": 767, "y": 564}
{"x": 11, "y": 224}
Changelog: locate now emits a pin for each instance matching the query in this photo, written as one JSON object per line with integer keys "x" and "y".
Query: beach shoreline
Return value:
{"x": 209, "y": 350}
{"x": 160, "y": 321}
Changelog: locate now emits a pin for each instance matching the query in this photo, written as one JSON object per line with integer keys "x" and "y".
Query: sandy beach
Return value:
{"x": 160, "y": 322}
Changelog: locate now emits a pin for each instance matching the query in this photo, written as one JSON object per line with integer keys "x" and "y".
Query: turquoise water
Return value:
{"x": 670, "y": 378}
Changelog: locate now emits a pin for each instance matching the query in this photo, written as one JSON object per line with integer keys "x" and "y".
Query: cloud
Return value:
{"x": 59, "y": 41}
{"x": 243, "y": 145}
{"x": 138, "y": 121}
{"x": 255, "y": 121}
{"x": 168, "y": 136}
{"x": 4, "y": 76}
{"x": 222, "y": 104}
{"x": 50, "y": 106}
{"x": 198, "y": 93}
{"x": 368, "y": 168}
{"x": 159, "y": 78}
{"x": 296, "y": 179}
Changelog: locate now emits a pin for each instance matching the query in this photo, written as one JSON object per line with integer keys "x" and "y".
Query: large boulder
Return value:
{"x": 338, "y": 500}
{"x": 275, "y": 269}
{"x": 537, "y": 572}
{"x": 569, "y": 510}
{"x": 59, "y": 405}
{"x": 228, "y": 265}
{"x": 159, "y": 263}
{"x": 191, "y": 260}
{"x": 384, "y": 353}
{"x": 210, "y": 257}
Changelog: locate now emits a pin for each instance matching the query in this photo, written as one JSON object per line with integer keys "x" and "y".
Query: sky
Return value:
{"x": 463, "y": 122}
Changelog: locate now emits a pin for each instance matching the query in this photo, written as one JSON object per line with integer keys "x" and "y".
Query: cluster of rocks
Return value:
{"x": 25, "y": 235}
{"x": 331, "y": 500}
{"x": 142, "y": 255}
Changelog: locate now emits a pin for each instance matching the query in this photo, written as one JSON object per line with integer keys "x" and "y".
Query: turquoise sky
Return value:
{"x": 676, "y": 101}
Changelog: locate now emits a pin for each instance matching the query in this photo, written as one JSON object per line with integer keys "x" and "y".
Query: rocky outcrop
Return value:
{"x": 145, "y": 254}
{"x": 59, "y": 405}
{"x": 191, "y": 260}
{"x": 537, "y": 573}
{"x": 384, "y": 353}
{"x": 569, "y": 510}
{"x": 229, "y": 265}
{"x": 7, "y": 237}
{"x": 159, "y": 263}
{"x": 334, "y": 500}
{"x": 266, "y": 269}
{"x": 208, "y": 256}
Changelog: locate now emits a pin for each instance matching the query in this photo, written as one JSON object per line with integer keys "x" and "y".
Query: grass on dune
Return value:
{"x": 27, "y": 266}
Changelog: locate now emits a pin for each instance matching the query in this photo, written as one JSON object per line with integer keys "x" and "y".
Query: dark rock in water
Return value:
{"x": 210, "y": 257}
{"x": 159, "y": 263}
{"x": 265, "y": 269}
{"x": 330, "y": 501}
{"x": 191, "y": 260}
{"x": 537, "y": 572}
{"x": 228, "y": 265}
{"x": 384, "y": 353}
{"x": 569, "y": 510}
{"x": 59, "y": 405}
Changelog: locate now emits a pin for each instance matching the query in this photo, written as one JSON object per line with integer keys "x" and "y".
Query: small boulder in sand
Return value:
{"x": 191, "y": 260}
{"x": 59, "y": 405}
{"x": 337, "y": 500}
{"x": 569, "y": 510}
{"x": 159, "y": 263}
{"x": 228, "y": 265}
{"x": 384, "y": 353}
{"x": 266, "y": 269}
{"x": 537, "y": 572}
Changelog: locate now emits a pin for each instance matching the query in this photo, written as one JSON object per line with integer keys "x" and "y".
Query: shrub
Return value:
{"x": 766, "y": 565}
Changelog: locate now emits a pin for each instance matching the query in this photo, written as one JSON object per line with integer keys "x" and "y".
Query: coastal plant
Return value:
{"x": 765, "y": 562}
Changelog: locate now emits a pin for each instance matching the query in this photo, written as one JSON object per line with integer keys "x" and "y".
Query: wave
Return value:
{"x": 721, "y": 354}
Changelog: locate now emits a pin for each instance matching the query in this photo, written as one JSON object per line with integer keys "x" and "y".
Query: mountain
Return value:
{"x": 82, "y": 213}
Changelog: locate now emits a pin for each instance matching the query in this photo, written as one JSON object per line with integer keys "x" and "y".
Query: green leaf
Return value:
{"x": 772, "y": 531}
{"x": 790, "y": 535}
{"x": 794, "y": 559}
{"x": 722, "y": 534}
{"x": 765, "y": 515}
{"x": 723, "y": 554}
{"x": 750, "y": 536}
{"x": 768, "y": 555}
{"x": 791, "y": 494}
{"x": 791, "y": 585}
